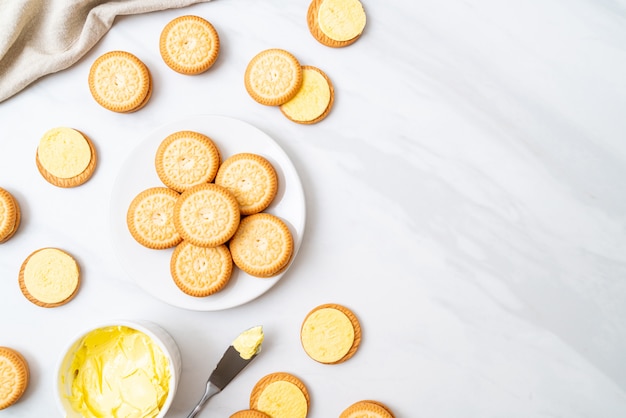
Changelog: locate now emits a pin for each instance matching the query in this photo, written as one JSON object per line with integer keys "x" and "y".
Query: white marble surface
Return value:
{"x": 465, "y": 198}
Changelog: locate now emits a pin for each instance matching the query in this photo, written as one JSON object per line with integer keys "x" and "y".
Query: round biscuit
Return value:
{"x": 185, "y": 159}
{"x": 201, "y": 271}
{"x": 367, "y": 408}
{"x": 14, "y": 376}
{"x": 206, "y": 215}
{"x": 249, "y": 413}
{"x": 150, "y": 218}
{"x": 10, "y": 215}
{"x": 119, "y": 81}
{"x": 251, "y": 178}
{"x": 318, "y": 33}
{"x": 273, "y": 77}
{"x": 262, "y": 245}
{"x": 267, "y": 380}
{"x": 314, "y": 100}
{"x": 189, "y": 44}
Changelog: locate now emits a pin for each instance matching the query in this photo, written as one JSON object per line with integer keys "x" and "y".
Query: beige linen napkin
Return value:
{"x": 40, "y": 37}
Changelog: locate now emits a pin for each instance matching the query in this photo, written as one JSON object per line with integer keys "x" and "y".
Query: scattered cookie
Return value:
{"x": 336, "y": 23}
{"x": 280, "y": 395}
{"x": 120, "y": 82}
{"x": 262, "y": 245}
{"x": 249, "y": 413}
{"x": 201, "y": 271}
{"x": 185, "y": 159}
{"x": 65, "y": 157}
{"x": 367, "y": 409}
{"x": 313, "y": 101}
{"x": 189, "y": 44}
{"x": 273, "y": 77}
{"x": 14, "y": 376}
{"x": 49, "y": 277}
{"x": 150, "y": 218}
{"x": 206, "y": 215}
{"x": 251, "y": 178}
{"x": 330, "y": 334}
{"x": 10, "y": 215}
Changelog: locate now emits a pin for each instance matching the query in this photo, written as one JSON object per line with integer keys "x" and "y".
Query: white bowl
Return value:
{"x": 63, "y": 379}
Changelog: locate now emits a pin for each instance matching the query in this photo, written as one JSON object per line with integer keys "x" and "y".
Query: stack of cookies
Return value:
{"x": 211, "y": 211}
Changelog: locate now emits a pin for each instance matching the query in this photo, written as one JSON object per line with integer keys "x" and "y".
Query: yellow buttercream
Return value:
{"x": 327, "y": 335}
{"x": 282, "y": 399}
{"x": 64, "y": 152}
{"x": 248, "y": 343}
{"x": 119, "y": 372}
{"x": 341, "y": 20}
{"x": 311, "y": 100}
{"x": 51, "y": 275}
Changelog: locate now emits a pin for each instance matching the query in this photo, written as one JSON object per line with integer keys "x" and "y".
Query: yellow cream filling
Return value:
{"x": 50, "y": 275}
{"x": 119, "y": 372}
{"x": 311, "y": 100}
{"x": 282, "y": 399}
{"x": 64, "y": 152}
{"x": 248, "y": 343}
{"x": 327, "y": 335}
{"x": 341, "y": 20}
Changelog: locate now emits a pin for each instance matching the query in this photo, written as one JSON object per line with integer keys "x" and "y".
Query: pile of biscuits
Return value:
{"x": 212, "y": 212}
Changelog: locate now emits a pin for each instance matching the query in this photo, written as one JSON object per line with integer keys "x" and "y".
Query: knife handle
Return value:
{"x": 210, "y": 390}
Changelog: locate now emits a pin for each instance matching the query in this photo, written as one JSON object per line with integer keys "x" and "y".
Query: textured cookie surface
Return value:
{"x": 249, "y": 413}
{"x": 189, "y": 44}
{"x": 280, "y": 395}
{"x": 150, "y": 218}
{"x": 119, "y": 81}
{"x": 313, "y": 101}
{"x": 330, "y": 334}
{"x": 14, "y": 376}
{"x": 342, "y": 21}
{"x": 49, "y": 277}
{"x": 9, "y": 215}
{"x": 185, "y": 159}
{"x": 65, "y": 157}
{"x": 206, "y": 215}
{"x": 367, "y": 409}
{"x": 200, "y": 271}
{"x": 262, "y": 245}
{"x": 251, "y": 178}
{"x": 273, "y": 77}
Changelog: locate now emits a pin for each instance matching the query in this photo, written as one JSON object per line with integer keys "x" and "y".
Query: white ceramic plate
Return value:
{"x": 150, "y": 269}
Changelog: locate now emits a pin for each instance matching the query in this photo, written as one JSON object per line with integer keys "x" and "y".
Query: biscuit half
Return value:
{"x": 336, "y": 23}
{"x": 185, "y": 159}
{"x": 189, "y": 44}
{"x": 10, "y": 215}
{"x": 262, "y": 245}
{"x": 49, "y": 277}
{"x": 281, "y": 394}
{"x": 201, "y": 271}
{"x": 14, "y": 376}
{"x": 273, "y": 77}
{"x": 313, "y": 101}
{"x": 367, "y": 408}
{"x": 249, "y": 413}
{"x": 251, "y": 178}
{"x": 65, "y": 157}
{"x": 330, "y": 333}
{"x": 150, "y": 218}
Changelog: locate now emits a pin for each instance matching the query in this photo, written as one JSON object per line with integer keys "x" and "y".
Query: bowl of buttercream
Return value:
{"x": 119, "y": 369}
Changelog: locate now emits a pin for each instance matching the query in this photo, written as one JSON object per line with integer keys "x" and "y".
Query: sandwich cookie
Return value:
{"x": 280, "y": 395}
{"x": 150, "y": 218}
{"x": 313, "y": 101}
{"x": 336, "y": 23}
{"x": 200, "y": 271}
{"x": 14, "y": 376}
{"x": 273, "y": 77}
{"x": 367, "y": 409}
{"x": 189, "y": 44}
{"x": 10, "y": 215}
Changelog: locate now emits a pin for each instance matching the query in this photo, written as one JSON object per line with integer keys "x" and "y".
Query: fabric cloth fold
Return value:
{"x": 41, "y": 37}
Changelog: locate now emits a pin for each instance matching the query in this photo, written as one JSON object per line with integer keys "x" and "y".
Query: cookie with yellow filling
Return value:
{"x": 150, "y": 218}
{"x": 313, "y": 101}
{"x": 10, "y": 215}
{"x": 200, "y": 271}
{"x": 185, "y": 159}
{"x": 251, "y": 178}
{"x": 14, "y": 376}
{"x": 280, "y": 395}
{"x": 367, "y": 409}
{"x": 249, "y": 413}
{"x": 65, "y": 157}
{"x": 330, "y": 334}
{"x": 273, "y": 76}
{"x": 336, "y": 23}
{"x": 189, "y": 44}
{"x": 49, "y": 277}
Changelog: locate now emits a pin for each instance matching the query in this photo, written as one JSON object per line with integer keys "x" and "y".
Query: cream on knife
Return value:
{"x": 241, "y": 352}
